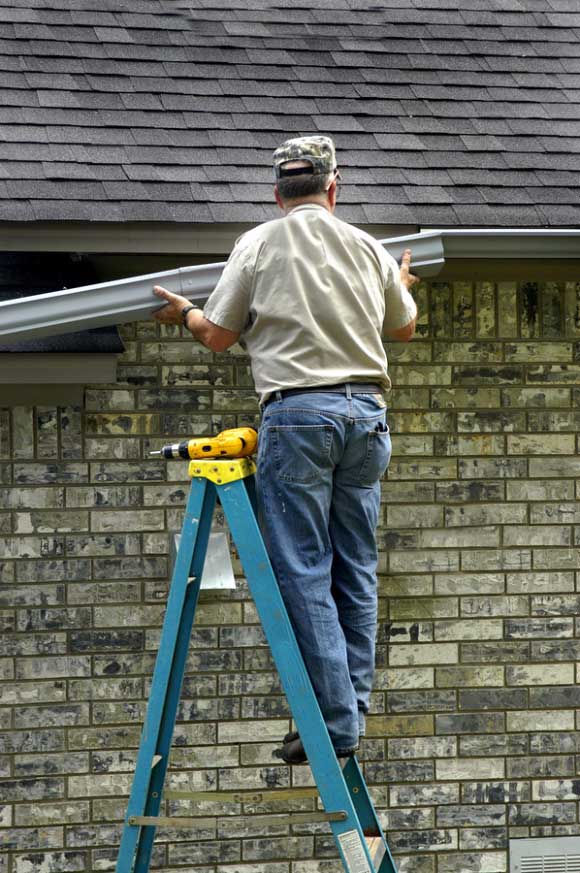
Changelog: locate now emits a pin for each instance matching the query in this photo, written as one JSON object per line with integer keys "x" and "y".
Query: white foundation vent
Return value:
{"x": 545, "y": 855}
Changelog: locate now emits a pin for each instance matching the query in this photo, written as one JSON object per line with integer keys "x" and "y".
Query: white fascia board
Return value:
{"x": 72, "y": 368}
{"x": 132, "y": 299}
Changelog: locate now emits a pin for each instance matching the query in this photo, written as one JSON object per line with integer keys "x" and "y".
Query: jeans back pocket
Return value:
{"x": 299, "y": 453}
{"x": 378, "y": 456}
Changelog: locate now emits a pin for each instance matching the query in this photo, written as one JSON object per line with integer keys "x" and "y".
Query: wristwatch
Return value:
{"x": 185, "y": 311}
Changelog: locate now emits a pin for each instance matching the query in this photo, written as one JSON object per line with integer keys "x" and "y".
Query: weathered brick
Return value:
{"x": 551, "y": 789}
{"x": 562, "y": 650}
{"x": 495, "y": 792}
{"x": 492, "y": 698}
{"x": 470, "y": 723}
{"x": 32, "y": 572}
{"x": 556, "y": 559}
{"x": 424, "y": 608}
{"x": 32, "y": 644}
{"x": 486, "y": 374}
{"x": 32, "y": 498}
{"x": 535, "y": 398}
{"x": 486, "y": 652}
{"x": 474, "y": 629}
{"x": 526, "y": 814}
{"x": 52, "y": 764}
{"x": 113, "y": 689}
{"x": 139, "y": 471}
{"x": 58, "y": 619}
{"x": 436, "y": 468}
{"x": 103, "y": 496}
{"x": 23, "y": 432}
{"x": 15, "y": 694}
{"x": 538, "y": 535}
{"x": 541, "y": 444}
{"x": 14, "y": 790}
{"x": 423, "y": 795}
{"x": 553, "y": 374}
{"x": 422, "y": 747}
{"x": 491, "y": 606}
{"x": 46, "y": 425}
{"x": 470, "y": 769}
{"x": 534, "y": 721}
{"x": 485, "y": 309}
{"x": 402, "y": 677}
{"x": 416, "y": 374}
{"x": 473, "y": 862}
{"x": 492, "y": 468}
{"x": 499, "y": 744}
{"x": 135, "y": 568}
{"x": 64, "y": 862}
{"x": 31, "y": 547}
{"x": 24, "y": 839}
{"x": 20, "y": 595}
{"x": 556, "y": 697}
{"x": 98, "y": 641}
{"x": 440, "y": 653}
{"x": 48, "y": 474}
{"x": 400, "y": 726}
{"x": 491, "y": 421}
{"x": 460, "y": 445}
{"x": 459, "y": 677}
{"x": 129, "y": 423}
{"x": 531, "y": 583}
{"x": 474, "y": 397}
{"x": 112, "y": 448}
{"x": 52, "y": 813}
{"x": 469, "y": 492}
{"x": 92, "y": 545}
{"x": 55, "y": 716}
{"x": 521, "y": 628}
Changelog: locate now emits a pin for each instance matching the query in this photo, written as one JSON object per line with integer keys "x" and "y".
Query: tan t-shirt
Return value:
{"x": 310, "y": 295}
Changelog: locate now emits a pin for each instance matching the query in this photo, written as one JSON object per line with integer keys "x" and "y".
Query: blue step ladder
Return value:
{"x": 342, "y": 790}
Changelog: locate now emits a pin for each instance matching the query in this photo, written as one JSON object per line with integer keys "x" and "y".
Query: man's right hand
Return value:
{"x": 407, "y": 278}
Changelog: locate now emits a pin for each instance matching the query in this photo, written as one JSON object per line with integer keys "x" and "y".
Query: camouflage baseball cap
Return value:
{"x": 318, "y": 151}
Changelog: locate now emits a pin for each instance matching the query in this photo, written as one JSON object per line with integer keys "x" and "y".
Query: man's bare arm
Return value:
{"x": 407, "y": 279}
{"x": 403, "y": 334}
{"x": 211, "y": 335}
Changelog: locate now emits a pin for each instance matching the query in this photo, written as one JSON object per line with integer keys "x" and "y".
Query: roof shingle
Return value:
{"x": 443, "y": 111}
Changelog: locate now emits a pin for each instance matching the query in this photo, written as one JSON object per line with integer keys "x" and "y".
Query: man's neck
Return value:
{"x": 306, "y": 201}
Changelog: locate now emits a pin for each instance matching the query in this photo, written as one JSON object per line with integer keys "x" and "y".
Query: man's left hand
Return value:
{"x": 171, "y": 312}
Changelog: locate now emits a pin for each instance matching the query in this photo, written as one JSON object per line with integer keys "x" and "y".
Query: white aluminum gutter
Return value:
{"x": 132, "y": 299}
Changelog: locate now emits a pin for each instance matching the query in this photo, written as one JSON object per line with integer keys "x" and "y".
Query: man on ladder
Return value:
{"x": 311, "y": 297}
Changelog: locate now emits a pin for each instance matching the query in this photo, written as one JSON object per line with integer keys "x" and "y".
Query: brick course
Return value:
{"x": 474, "y": 731}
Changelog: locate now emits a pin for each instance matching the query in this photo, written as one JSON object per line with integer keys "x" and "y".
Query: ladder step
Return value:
{"x": 242, "y": 796}
{"x": 377, "y": 849}
{"x": 184, "y": 822}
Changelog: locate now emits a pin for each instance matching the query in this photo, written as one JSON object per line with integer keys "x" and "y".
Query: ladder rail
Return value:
{"x": 348, "y": 833}
{"x": 145, "y": 798}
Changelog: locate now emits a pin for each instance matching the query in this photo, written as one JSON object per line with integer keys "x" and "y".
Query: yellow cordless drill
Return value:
{"x": 235, "y": 443}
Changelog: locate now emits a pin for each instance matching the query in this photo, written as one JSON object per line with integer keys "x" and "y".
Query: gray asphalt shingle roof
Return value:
{"x": 443, "y": 111}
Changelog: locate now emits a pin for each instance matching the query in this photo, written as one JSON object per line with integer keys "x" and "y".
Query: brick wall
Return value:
{"x": 473, "y": 736}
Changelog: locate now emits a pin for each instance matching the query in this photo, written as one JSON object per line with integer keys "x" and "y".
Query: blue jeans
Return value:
{"x": 320, "y": 460}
